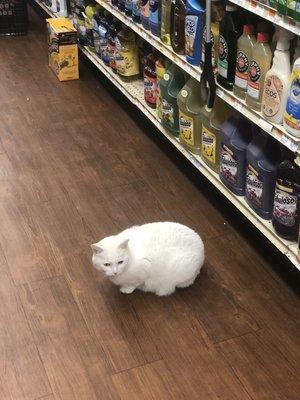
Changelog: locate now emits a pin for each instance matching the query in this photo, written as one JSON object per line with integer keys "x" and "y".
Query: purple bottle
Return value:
{"x": 263, "y": 155}
{"x": 236, "y": 134}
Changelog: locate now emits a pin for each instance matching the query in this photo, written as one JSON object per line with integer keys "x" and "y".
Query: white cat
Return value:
{"x": 156, "y": 257}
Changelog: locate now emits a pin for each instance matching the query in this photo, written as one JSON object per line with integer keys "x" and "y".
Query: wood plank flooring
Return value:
{"x": 77, "y": 163}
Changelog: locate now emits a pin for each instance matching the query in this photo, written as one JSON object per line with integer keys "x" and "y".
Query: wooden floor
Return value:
{"x": 76, "y": 164}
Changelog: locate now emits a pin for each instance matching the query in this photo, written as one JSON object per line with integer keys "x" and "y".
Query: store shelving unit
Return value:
{"x": 270, "y": 14}
{"x": 134, "y": 93}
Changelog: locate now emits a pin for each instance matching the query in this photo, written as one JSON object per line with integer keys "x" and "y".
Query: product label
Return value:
{"x": 254, "y": 186}
{"x": 241, "y": 70}
{"x": 254, "y": 75}
{"x": 292, "y": 114}
{"x": 208, "y": 144}
{"x": 126, "y": 60}
{"x": 285, "y": 205}
{"x": 223, "y": 54}
{"x": 167, "y": 113}
{"x": 150, "y": 89}
{"x": 272, "y": 96}
{"x": 153, "y": 4}
{"x": 186, "y": 128}
{"x": 212, "y": 40}
{"x": 191, "y": 22}
{"x": 228, "y": 165}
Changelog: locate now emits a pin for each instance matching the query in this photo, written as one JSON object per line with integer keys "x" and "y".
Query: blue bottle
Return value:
{"x": 194, "y": 22}
{"x": 136, "y": 11}
{"x": 128, "y": 7}
{"x": 236, "y": 134}
{"x": 154, "y": 19}
{"x": 263, "y": 155}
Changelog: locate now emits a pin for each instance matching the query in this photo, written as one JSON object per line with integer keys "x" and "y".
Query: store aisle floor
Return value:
{"x": 74, "y": 167}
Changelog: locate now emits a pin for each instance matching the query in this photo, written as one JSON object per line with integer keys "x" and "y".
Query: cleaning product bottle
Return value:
{"x": 244, "y": 54}
{"x": 145, "y": 13}
{"x": 263, "y": 155}
{"x": 128, "y": 7}
{"x": 190, "y": 102}
{"x": 230, "y": 31}
{"x": 154, "y": 18}
{"x": 136, "y": 11}
{"x": 282, "y": 7}
{"x": 103, "y": 28}
{"x": 150, "y": 80}
{"x": 165, "y": 21}
{"x": 212, "y": 119}
{"x": 259, "y": 66}
{"x": 236, "y": 134}
{"x": 291, "y": 5}
{"x": 160, "y": 69}
{"x": 126, "y": 55}
{"x": 297, "y": 50}
{"x": 96, "y": 35}
{"x": 170, "y": 85}
{"x": 121, "y": 5}
{"x": 286, "y": 211}
{"x": 114, "y": 29}
{"x": 297, "y": 11}
{"x": 194, "y": 19}
{"x": 217, "y": 14}
{"x": 178, "y": 26}
{"x": 276, "y": 86}
{"x": 89, "y": 12}
{"x": 291, "y": 119}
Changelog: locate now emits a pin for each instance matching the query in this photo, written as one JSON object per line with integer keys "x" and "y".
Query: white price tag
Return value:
{"x": 220, "y": 93}
{"x": 260, "y": 9}
{"x": 265, "y": 125}
{"x": 240, "y": 2}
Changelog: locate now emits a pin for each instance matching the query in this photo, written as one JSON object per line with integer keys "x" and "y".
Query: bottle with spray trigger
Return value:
{"x": 276, "y": 84}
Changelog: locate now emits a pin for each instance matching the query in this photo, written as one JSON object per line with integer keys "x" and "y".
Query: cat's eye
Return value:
{"x": 120, "y": 262}
{"x": 107, "y": 264}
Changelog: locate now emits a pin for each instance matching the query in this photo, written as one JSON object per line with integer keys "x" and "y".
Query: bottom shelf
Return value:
{"x": 134, "y": 92}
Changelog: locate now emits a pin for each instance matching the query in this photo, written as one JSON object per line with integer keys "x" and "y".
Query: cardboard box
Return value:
{"x": 62, "y": 47}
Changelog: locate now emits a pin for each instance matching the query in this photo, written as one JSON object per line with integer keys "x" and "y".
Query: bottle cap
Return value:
{"x": 248, "y": 29}
{"x": 262, "y": 37}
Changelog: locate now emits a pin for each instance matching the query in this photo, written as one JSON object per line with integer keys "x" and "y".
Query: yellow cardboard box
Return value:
{"x": 62, "y": 47}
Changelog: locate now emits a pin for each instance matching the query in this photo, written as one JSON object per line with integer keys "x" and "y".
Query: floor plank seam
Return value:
{"x": 136, "y": 367}
{"x": 237, "y": 337}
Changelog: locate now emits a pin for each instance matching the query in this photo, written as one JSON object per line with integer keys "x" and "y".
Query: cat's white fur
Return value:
{"x": 155, "y": 257}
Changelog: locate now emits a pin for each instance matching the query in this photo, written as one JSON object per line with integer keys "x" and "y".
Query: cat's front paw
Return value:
{"x": 127, "y": 290}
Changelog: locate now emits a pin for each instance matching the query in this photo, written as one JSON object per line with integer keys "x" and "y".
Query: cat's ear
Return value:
{"x": 96, "y": 249}
{"x": 123, "y": 244}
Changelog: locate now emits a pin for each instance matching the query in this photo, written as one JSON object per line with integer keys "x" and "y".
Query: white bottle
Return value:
{"x": 276, "y": 85}
{"x": 297, "y": 50}
{"x": 291, "y": 118}
{"x": 62, "y": 9}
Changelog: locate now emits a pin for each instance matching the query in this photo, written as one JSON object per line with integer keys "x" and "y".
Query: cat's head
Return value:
{"x": 111, "y": 255}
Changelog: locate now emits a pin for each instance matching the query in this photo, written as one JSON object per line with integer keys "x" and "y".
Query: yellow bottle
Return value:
{"x": 259, "y": 66}
{"x": 165, "y": 22}
{"x": 126, "y": 56}
{"x": 190, "y": 102}
{"x": 212, "y": 119}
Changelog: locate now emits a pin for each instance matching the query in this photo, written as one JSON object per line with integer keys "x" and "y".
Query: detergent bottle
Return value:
{"x": 126, "y": 54}
{"x": 276, "y": 85}
{"x": 244, "y": 55}
{"x": 161, "y": 66}
{"x": 165, "y": 21}
{"x": 291, "y": 119}
{"x": 212, "y": 119}
{"x": 263, "y": 155}
{"x": 154, "y": 18}
{"x": 170, "y": 85}
{"x": 121, "y": 5}
{"x": 194, "y": 19}
{"x": 114, "y": 29}
{"x": 190, "y": 102}
{"x": 103, "y": 28}
{"x": 128, "y": 7}
{"x": 150, "y": 80}
{"x": 145, "y": 13}
{"x": 230, "y": 31}
{"x": 90, "y": 10}
{"x": 178, "y": 26}
{"x": 259, "y": 66}
{"x": 286, "y": 211}
{"x": 136, "y": 11}
{"x": 236, "y": 134}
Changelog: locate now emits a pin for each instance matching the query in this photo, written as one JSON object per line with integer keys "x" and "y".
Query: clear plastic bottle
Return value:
{"x": 126, "y": 56}
{"x": 259, "y": 66}
{"x": 190, "y": 103}
{"x": 244, "y": 55}
{"x": 165, "y": 21}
